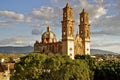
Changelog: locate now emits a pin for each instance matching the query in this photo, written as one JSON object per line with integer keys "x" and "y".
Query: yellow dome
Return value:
{"x": 48, "y": 36}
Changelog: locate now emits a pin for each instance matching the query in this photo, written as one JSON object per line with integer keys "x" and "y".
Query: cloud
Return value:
{"x": 44, "y": 13}
{"x": 104, "y": 16}
{"x": 109, "y": 25}
{"x": 39, "y": 25}
{"x": 10, "y": 19}
{"x": 53, "y": 15}
{"x": 99, "y": 12}
{"x": 37, "y": 32}
{"x": 14, "y": 41}
{"x": 117, "y": 5}
{"x": 95, "y": 11}
{"x": 106, "y": 44}
{"x": 19, "y": 41}
{"x": 99, "y": 1}
{"x": 54, "y": 1}
{"x": 11, "y": 16}
{"x": 98, "y": 15}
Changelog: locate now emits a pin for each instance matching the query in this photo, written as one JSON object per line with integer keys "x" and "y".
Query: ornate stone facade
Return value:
{"x": 70, "y": 44}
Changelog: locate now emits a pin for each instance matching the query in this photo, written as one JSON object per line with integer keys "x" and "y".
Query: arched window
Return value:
{"x": 65, "y": 14}
{"x": 87, "y": 33}
{"x": 82, "y": 19}
{"x": 70, "y": 32}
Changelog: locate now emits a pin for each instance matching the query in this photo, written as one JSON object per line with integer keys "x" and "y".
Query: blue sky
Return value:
{"x": 22, "y": 22}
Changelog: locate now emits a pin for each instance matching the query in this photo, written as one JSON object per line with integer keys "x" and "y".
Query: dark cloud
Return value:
{"x": 37, "y": 32}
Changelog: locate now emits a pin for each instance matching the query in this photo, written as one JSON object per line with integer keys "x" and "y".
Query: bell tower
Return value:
{"x": 84, "y": 32}
{"x": 68, "y": 31}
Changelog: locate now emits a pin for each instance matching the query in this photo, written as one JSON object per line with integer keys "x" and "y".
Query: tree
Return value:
{"x": 90, "y": 61}
{"x": 29, "y": 67}
{"x": 64, "y": 68}
{"x": 42, "y": 67}
{"x": 107, "y": 71}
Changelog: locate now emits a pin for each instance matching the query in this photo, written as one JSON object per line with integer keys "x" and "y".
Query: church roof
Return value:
{"x": 48, "y": 34}
{"x": 2, "y": 67}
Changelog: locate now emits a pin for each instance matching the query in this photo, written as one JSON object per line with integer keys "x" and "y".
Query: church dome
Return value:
{"x": 48, "y": 36}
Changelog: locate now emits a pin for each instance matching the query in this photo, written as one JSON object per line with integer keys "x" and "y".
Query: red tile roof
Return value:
{"x": 2, "y": 67}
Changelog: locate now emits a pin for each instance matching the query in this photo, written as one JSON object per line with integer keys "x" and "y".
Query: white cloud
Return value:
{"x": 95, "y": 11}
{"x": 111, "y": 16}
{"x": 99, "y": 1}
{"x": 44, "y": 13}
{"x": 54, "y": 1}
{"x": 45, "y": 16}
{"x": 14, "y": 17}
{"x": 101, "y": 11}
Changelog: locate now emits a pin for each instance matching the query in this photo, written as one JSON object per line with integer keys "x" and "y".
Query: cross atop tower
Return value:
{"x": 83, "y": 10}
{"x": 48, "y": 29}
{"x": 67, "y": 5}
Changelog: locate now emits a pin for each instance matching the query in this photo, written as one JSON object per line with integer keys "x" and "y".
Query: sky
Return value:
{"x": 22, "y": 22}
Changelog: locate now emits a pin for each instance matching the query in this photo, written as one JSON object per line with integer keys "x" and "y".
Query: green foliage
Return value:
{"x": 42, "y": 67}
{"x": 29, "y": 67}
{"x": 107, "y": 71}
{"x": 61, "y": 67}
{"x": 90, "y": 61}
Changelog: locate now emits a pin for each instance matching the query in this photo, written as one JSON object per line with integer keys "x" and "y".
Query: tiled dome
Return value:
{"x": 48, "y": 36}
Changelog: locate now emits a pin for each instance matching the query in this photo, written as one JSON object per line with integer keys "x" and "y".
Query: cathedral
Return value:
{"x": 70, "y": 44}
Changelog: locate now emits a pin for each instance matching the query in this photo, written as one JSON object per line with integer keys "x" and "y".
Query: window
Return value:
{"x": 87, "y": 49}
{"x": 81, "y": 31}
{"x": 64, "y": 33}
{"x": 82, "y": 19}
{"x": 64, "y": 29}
{"x": 70, "y": 30}
{"x": 64, "y": 14}
{"x": 81, "y": 35}
{"x": 87, "y": 33}
{"x": 70, "y": 48}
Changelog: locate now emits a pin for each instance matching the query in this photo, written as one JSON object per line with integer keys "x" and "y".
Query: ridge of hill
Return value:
{"x": 99, "y": 51}
{"x": 11, "y": 49}
{"x": 29, "y": 49}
